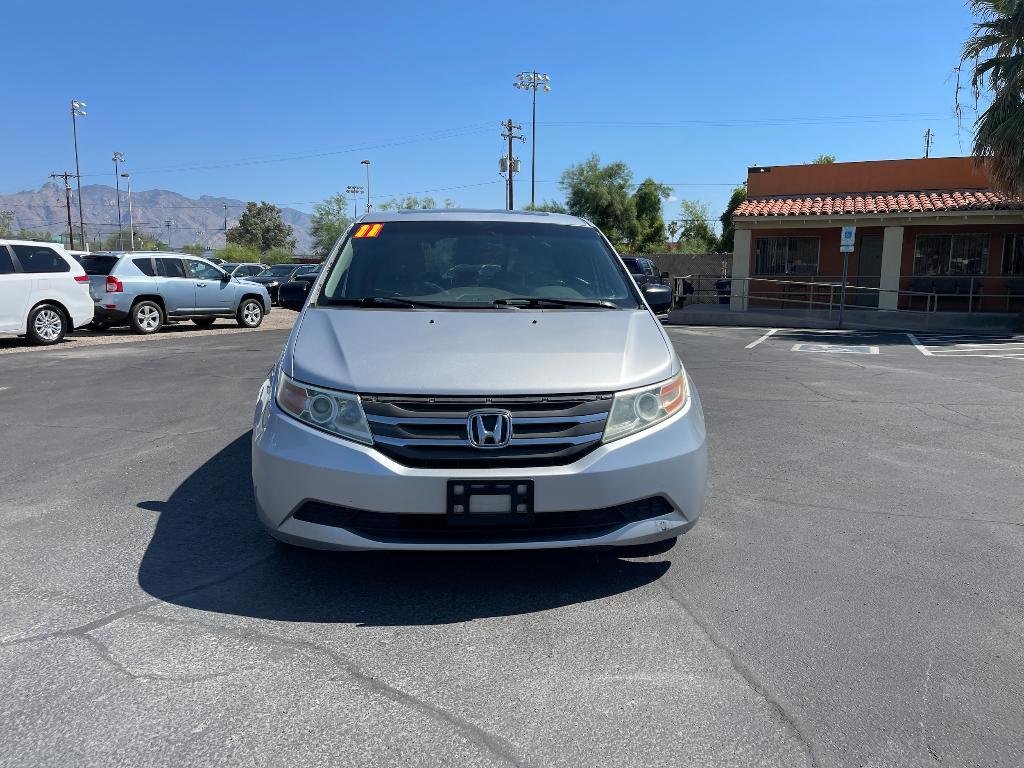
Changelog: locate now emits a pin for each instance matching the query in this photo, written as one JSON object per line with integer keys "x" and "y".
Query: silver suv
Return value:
{"x": 146, "y": 290}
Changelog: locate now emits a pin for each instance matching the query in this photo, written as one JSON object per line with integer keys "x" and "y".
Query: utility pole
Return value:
{"x": 929, "y": 137}
{"x": 225, "y": 222}
{"x": 511, "y": 163}
{"x": 67, "y": 197}
{"x": 78, "y": 110}
{"x": 169, "y": 223}
{"x": 131, "y": 220}
{"x": 118, "y": 158}
{"x": 531, "y": 81}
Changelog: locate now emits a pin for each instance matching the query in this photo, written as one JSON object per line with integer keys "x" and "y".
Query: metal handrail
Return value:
{"x": 810, "y": 286}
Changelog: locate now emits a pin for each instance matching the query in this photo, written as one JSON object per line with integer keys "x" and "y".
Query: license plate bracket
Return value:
{"x": 481, "y": 503}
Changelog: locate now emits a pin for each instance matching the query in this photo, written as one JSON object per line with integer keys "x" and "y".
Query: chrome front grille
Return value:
{"x": 433, "y": 431}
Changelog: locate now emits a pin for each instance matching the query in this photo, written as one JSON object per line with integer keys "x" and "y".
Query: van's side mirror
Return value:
{"x": 659, "y": 297}
{"x": 292, "y": 295}
{"x": 225, "y": 277}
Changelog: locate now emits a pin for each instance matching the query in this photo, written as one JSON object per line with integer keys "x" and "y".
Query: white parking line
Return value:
{"x": 921, "y": 347}
{"x": 753, "y": 344}
{"x": 936, "y": 344}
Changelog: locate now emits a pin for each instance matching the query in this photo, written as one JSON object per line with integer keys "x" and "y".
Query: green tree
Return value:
{"x": 330, "y": 218}
{"x": 823, "y": 160}
{"x": 728, "y": 228}
{"x": 697, "y": 235}
{"x": 410, "y": 203}
{"x": 650, "y": 225}
{"x": 550, "y": 206}
{"x": 196, "y": 249}
{"x": 996, "y": 53}
{"x": 601, "y": 194}
{"x": 32, "y": 234}
{"x": 6, "y": 217}
{"x": 672, "y": 229}
{"x": 239, "y": 254}
{"x": 261, "y": 227}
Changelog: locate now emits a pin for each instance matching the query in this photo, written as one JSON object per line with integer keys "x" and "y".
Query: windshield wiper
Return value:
{"x": 395, "y": 301}
{"x": 525, "y": 301}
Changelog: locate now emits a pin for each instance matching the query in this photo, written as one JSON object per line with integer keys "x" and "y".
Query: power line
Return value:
{"x": 459, "y": 131}
{"x": 448, "y": 133}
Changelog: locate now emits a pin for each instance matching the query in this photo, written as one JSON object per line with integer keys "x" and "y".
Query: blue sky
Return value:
{"x": 231, "y": 98}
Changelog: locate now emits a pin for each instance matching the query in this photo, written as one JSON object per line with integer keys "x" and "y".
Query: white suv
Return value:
{"x": 44, "y": 293}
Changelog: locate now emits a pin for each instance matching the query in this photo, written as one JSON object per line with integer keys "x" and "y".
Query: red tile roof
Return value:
{"x": 926, "y": 201}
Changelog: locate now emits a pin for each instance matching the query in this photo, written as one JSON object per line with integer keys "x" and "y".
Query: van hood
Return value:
{"x": 486, "y": 352}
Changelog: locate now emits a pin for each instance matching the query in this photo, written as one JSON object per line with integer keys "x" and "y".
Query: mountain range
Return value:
{"x": 174, "y": 218}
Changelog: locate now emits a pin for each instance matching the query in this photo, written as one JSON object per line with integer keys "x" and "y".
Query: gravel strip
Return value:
{"x": 280, "y": 319}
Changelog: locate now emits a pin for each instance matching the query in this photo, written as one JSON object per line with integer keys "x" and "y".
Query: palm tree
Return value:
{"x": 996, "y": 54}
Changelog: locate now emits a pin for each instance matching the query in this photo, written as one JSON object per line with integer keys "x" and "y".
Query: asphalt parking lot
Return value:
{"x": 852, "y": 597}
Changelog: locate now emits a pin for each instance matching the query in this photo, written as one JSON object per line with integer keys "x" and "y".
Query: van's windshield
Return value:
{"x": 462, "y": 264}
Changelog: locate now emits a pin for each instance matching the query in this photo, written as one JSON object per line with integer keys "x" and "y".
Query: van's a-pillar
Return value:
{"x": 892, "y": 259}
{"x": 740, "y": 269}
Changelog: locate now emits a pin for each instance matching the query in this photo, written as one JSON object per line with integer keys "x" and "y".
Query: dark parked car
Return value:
{"x": 242, "y": 270}
{"x": 272, "y": 277}
{"x": 308, "y": 273}
{"x": 645, "y": 272}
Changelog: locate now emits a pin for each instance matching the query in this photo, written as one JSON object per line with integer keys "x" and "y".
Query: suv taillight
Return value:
{"x": 114, "y": 285}
{"x": 81, "y": 278}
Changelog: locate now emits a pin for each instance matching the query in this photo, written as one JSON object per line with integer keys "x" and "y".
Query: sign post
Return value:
{"x": 846, "y": 241}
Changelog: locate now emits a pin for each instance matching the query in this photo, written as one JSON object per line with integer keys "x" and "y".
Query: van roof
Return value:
{"x": 474, "y": 214}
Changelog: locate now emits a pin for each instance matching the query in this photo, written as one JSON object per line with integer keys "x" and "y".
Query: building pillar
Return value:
{"x": 892, "y": 261}
{"x": 740, "y": 269}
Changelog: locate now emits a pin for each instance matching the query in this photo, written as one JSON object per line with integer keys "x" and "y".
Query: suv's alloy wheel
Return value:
{"x": 147, "y": 317}
{"x": 250, "y": 314}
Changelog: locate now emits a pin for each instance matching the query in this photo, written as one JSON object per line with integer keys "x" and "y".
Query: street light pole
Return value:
{"x": 78, "y": 110}
{"x": 131, "y": 221}
{"x": 118, "y": 158}
{"x": 367, "y": 164}
{"x": 531, "y": 81}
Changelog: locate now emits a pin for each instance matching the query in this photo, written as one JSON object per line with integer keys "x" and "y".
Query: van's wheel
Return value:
{"x": 46, "y": 325}
{"x": 146, "y": 317}
{"x": 204, "y": 322}
{"x": 250, "y": 314}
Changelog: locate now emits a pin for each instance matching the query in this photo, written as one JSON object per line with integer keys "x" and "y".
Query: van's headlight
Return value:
{"x": 639, "y": 409}
{"x": 339, "y": 413}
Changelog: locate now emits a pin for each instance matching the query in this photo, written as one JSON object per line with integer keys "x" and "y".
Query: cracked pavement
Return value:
{"x": 852, "y": 596}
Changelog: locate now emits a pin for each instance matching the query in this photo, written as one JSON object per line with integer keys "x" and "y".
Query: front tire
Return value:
{"x": 46, "y": 325}
{"x": 250, "y": 313}
{"x": 146, "y": 317}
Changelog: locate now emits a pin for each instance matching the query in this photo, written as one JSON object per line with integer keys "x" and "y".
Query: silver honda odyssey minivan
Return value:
{"x": 463, "y": 380}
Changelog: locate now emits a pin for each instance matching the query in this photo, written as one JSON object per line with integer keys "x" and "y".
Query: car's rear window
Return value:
{"x": 633, "y": 266}
{"x": 98, "y": 265}
{"x": 479, "y": 262}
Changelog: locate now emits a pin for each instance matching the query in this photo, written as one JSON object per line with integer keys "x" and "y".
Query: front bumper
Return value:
{"x": 293, "y": 464}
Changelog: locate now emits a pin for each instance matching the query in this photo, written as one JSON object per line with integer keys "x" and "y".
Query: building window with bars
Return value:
{"x": 787, "y": 255}
{"x": 951, "y": 254}
{"x": 1013, "y": 255}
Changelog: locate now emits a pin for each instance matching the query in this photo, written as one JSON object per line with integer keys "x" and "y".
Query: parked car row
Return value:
{"x": 273, "y": 277}
{"x": 46, "y": 292}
